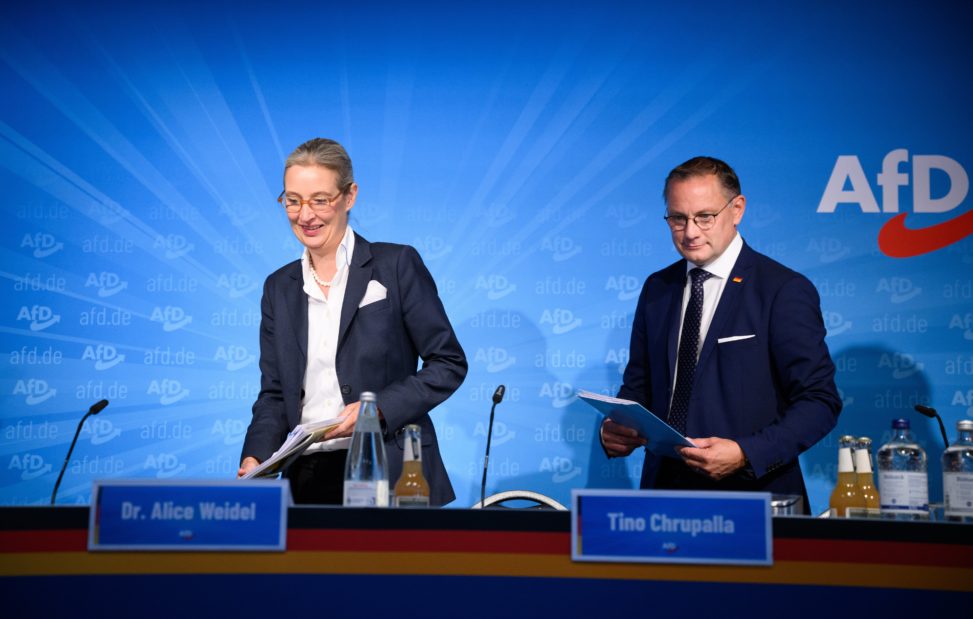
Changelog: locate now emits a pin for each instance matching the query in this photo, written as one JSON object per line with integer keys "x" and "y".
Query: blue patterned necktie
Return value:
{"x": 688, "y": 347}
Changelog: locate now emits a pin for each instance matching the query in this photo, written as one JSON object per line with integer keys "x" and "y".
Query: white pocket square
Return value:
{"x": 734, "y": 338}
{"x": 374, "y": 292}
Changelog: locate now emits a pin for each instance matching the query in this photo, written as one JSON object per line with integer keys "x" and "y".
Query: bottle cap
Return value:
{"x": 864, "y": 440}
{"x": 367, "y": 396}
{"x": 900, "y": 424}
{"x": 964, "y": 424}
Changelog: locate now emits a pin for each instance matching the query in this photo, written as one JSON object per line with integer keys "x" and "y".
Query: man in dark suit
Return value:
{"x": 350, "y": 316}
{"x": 729, "y": 345}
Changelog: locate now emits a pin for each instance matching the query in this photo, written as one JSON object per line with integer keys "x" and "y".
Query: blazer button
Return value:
{"x": 345, "y": 389}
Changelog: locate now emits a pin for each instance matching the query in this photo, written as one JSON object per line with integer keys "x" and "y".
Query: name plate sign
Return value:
{"x": 189, "y": 515}
{"x": 659, "y": 526}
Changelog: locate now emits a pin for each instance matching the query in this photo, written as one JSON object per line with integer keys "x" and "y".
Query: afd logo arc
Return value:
{"x": 895, "y": 239}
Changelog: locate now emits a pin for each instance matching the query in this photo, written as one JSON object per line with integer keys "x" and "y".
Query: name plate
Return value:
{"x": 659, "y": 526}
{"x": 189, "y": 515}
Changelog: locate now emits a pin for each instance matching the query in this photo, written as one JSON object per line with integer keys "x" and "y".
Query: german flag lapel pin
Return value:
{"x": 737, "y": 280}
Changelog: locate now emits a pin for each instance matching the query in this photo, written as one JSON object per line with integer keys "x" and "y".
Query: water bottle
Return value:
{"x": 366, "y": 469}
{"x": 958, "y": 475}
{"x": 902, "y": 481}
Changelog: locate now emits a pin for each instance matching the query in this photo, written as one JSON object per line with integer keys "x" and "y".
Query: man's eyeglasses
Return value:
{"x": 703, "y": 221}
{"x": 293, "y": 202}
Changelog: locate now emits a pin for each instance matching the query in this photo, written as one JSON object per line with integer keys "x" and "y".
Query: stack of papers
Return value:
{"x": 299, "y": 439}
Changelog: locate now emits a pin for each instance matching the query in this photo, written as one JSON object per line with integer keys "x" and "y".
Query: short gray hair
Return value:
{"x": 325, "y": 153}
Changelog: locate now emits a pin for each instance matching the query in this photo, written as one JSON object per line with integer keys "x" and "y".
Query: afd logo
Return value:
{"x": 495, "y": 358}
{"x": 498, "y": 215}
{"x": 846, "y": 401}
{"x": 42, "y": 243}
{"x": 617, "y": 357}
{"x": 496, "y": 286}
{"x": 232, "y": 430}
{"x": 169, "y": 391}
{"x": 560, "y": 247}
{"x": 895, "y": 239}
{"x": 101, "y": 430}
{"x": 237, "y": 284}
{"x": 899, "y": 289}
{"x": 35, "y": 390}
{"x": 626, "y": 215}
{"x": 172, "y": 317}
{"x": 561, "y": 469}
{"x": 432, "y": 247}
{"x": 40, "y": 316}
{"x": 902, "y": 365}
{"x": 175, "y": 245}
{"x": 236, "y": 357}
{"x": 239, "y": 213}
{"x": 561, "y": 320}
{"x": 105, "y": 356}
{"x": 107, "y": 283}
{"x": 501, "y": 433}
{"x": 165, "y": 465}
{"x": 963, "y": 322}
{"x": 560, "y": 394}
{"x": 31, "y": 466}
{"x": 626, "y": 286}
{"x": 835, "y": 323}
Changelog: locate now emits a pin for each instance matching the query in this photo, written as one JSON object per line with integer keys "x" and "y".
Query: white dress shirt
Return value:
{"x": 712, "y": 290}
{"x": 322, "y": 393}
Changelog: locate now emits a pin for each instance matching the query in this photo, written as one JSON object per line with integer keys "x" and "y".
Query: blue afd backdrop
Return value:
{"x": 521, "y": 149}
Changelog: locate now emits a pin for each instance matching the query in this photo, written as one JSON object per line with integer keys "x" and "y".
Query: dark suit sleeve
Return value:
{"x": 427, "y": 326}
{"x": 635, "y": 382}
{"x": 268, "y": 427}
{"x": 808, "y": 401}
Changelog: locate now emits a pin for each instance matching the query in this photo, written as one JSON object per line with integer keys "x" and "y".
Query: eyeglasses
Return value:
{"x": 294, "y": 203}
{"x": 703, "y": 221}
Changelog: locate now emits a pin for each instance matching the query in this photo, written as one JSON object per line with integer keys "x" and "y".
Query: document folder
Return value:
{"x": 662, "y": 438}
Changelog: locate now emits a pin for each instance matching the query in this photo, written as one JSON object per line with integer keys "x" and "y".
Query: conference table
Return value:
{"x": 477, "y": 563}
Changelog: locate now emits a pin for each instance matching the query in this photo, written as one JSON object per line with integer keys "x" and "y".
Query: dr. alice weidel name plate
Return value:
{"x": 189, "y": 515}
{"x": 655, "y": 526}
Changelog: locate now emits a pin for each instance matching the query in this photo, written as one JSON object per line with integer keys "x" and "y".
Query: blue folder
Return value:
{"x": 662, "y": 438}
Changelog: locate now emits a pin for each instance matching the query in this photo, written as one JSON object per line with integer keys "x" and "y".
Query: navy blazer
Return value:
{"x": 770, "y": 388}
{"x": 379, "y": 346}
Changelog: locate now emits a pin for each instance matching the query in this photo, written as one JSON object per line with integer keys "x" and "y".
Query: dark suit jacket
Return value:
{"x": 773, "y": 393}
{"x": 379, "y": 346}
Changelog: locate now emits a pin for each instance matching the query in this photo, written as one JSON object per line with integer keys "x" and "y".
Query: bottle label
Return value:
{"x": 958, "y": 491}
{"x": 411, "y": 501}
{"x": 367, "y": 493}
{"x": 903, "y": 491}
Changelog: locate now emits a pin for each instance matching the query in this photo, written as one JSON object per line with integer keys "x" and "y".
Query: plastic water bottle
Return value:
{"x": 902, "y": 480}
{"x": 958, "y": 475}
{"x": 366, "y": 469}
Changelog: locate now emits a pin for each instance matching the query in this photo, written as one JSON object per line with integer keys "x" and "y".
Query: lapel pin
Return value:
{"x": 737, "y": 280}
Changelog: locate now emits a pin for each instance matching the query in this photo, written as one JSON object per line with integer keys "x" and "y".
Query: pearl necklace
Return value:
{"x": 314, "y": 274}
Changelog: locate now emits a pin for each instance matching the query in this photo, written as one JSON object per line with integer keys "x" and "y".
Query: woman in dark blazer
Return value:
{"x": 349, "y": 316}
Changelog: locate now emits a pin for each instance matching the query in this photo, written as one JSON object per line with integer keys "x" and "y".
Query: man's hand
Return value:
{"x": 248, "y": 463}
{"x": 348, "y": 418}
{"x": 619, "y": 440}
{"x": 715, "y": 457}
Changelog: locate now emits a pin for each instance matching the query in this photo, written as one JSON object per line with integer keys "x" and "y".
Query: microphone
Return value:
{"x": 96, "y": 408}
{"x": 930, "y": 412}
{"x": 497, "y": 398}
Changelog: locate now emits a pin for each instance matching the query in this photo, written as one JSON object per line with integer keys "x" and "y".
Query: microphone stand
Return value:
{"x": 497, "y": 398}
{"x": 94, "y": 410}
{"x": 931, "y": 412}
